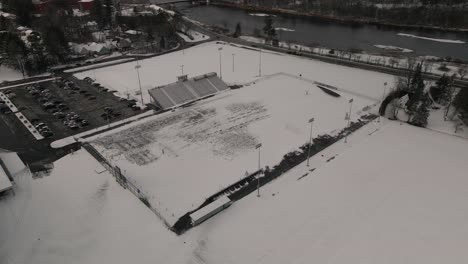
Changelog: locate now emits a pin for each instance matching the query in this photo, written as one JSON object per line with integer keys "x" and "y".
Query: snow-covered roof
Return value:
{"x": 204, "y": 211}
{"x": 187, "y": 90}
{"x": 5, "y": 183}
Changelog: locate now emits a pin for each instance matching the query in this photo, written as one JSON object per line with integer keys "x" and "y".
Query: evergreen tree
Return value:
{"x": 268, "y": 29}
{"x": 97, "y": 13}
{"x": 109, "y": 7}
{"x": 461, "y": 101}
{"x": 443, "y": 90}
{"x": 238, "y": 31}
{"x": 416, "y": 92}
{"x": 421, "y": 112}
{"x": 162, "y": 42}
{"x": 22, "y": 9}
{"x": 55, "y": 42}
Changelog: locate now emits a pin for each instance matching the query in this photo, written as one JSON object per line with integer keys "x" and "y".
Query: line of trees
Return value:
{"x": 421, "y": 100}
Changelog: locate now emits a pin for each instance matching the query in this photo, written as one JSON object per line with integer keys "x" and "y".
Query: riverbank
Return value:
{"x": 341, "y": 20}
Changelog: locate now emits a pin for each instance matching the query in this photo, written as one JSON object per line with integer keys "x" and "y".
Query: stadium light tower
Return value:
{"x": 233, "y": 57}
{"x": 260, "y": 63}
{"x": 137, "y": 67}
{"x": 311, "y": 121}
{"x": 258, "y": 146}
{"x": 220, "y": 68}
{"x": 348, "y": 117}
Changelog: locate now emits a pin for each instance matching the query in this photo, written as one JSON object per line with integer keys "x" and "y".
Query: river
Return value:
{"x": 308, "y": 31}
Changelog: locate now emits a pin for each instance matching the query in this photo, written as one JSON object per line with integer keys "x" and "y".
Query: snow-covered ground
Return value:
{"x": 79, "y": 214}
{"x": 7, "y": 74}
{"x": 195, "y": 36}
{"x": 180, "y": 158}
{"x": 204, "y": 58}
{"x": 102, "y": 64}
{"x": 395, "y": 196}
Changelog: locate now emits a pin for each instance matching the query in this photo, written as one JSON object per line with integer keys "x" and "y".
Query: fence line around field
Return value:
{"x": 116, "y": 172}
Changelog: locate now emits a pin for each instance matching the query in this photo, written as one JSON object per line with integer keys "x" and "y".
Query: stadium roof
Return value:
{"x": 187, "y": 90}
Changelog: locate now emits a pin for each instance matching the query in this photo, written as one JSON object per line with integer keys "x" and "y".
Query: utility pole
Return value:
{"x": 348, "y": 117}
{"x": 311, "y": 121}
{"x": 137, "y": 67}
{"x": 258, "y": 146}
{"x": 220, "y": 68}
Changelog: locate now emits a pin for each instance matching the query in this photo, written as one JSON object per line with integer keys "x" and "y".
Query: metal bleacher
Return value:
{"x": 187, "y": 90}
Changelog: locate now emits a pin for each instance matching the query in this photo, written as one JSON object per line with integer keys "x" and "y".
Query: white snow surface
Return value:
{"x": 196, "y": 36}
{"x": 397, "y": 196}
{"x": 204, "y": 58}
{"x": 432, "y": 39}
{"x": 80, "y": 216}
{"x": 7, "y": 74}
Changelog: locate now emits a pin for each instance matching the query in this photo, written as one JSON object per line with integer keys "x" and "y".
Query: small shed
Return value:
{"x": 210, "y": 210}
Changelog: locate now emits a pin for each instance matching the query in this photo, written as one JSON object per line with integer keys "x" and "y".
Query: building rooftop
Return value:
{"x": 187, "y": 90}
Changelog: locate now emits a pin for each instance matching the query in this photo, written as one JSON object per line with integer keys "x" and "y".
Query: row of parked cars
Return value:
{"x": 99, "y": 87}
{"x": 43, "y": 129}
{"x": 56, "y": 107}
{"x": 73, "y": 89}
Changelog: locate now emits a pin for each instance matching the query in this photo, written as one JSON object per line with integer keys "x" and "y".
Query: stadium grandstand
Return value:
{"x": 186, "y": 90}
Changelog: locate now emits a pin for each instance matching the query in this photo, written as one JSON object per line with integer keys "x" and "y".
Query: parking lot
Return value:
{"x": 68, "y": 106}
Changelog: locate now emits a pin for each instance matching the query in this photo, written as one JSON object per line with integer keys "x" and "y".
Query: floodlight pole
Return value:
{"x": 137, "y": 67}
{"x": 233, "y": 55}
{"x": 311, "y": 121}
{"x": 259, "y": 146}
{"x": 260, "y": 64}
{"x": 349, "y": 118}
{"x": 220, "y": 68}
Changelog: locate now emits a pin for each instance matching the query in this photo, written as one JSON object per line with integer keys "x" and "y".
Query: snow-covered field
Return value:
{"x": 397, "y": 196}
{"x": 204, "y": 58}
{"x": 181, "y": 158}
